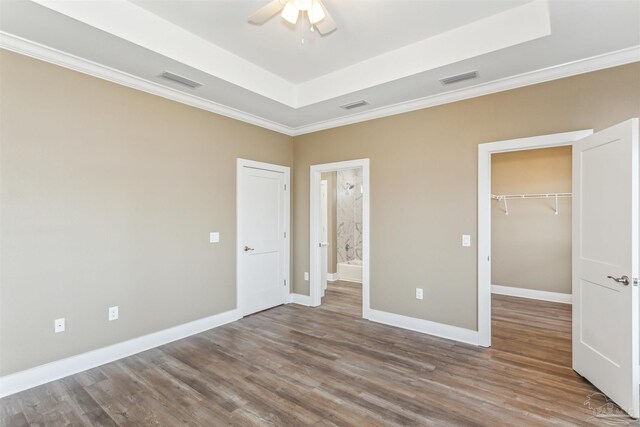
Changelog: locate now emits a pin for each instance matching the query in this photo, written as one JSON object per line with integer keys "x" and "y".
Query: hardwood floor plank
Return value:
{"x": 326, "y": 366}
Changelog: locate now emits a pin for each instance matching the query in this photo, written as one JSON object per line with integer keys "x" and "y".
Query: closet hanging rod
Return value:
{"x": 504, "y": 197}
{"x": 529, "y": 196}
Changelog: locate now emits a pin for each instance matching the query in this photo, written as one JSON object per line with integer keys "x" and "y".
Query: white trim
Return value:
{"x": 57, "y": 57}
{"x": 72, "y": 62}
{"x": 314, "y": 256}
{"x": 511, "y": 27}
{"x": 441, "y": 330}
{"x": 14, "y": 383}
{"x": 332, "y": 277}
{"x": 242, "y": 163}
{"x": 531, "y": 294}
{"x": 595, "y": 63}
{"x": 484, "y": 213}
{"x": 301, "y": 299}
{"x": 136, "y": 25}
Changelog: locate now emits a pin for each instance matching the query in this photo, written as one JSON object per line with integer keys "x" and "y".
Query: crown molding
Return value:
{"x": 54, "y": 56}
{"x": 594, "y": 63}
{"x": 72, "y": 62}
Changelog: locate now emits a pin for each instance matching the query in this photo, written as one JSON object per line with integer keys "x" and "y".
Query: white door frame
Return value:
{"x": 242, "y": 163}
{"x": 484, "y": 212}
{"x": 324, "y": 223}
{"x": 315, "y": 261}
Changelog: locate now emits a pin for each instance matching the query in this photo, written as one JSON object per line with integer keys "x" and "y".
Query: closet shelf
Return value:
{"x": 504, "y": 197}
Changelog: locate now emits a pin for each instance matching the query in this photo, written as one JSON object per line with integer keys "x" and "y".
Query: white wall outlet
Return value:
{"x": 306, "y": 276}
{"x": 419, "y": 293}
{"x": 113, "y": 313}
{"x": 58, "y": 325}
{"x": 466, "y": 240}
{"x": 214, "y": 237}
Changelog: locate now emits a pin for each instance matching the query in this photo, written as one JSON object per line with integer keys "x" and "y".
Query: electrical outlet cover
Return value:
{"x": 58, "y": 325}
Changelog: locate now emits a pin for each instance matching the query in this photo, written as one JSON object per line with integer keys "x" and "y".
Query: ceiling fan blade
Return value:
{"x": 327, "y": 25}
{"x": 265, "y": 13}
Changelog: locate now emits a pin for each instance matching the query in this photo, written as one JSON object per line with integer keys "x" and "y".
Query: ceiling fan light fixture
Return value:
{"x": 316, "y": 13}
{"x": 290, "y": 12}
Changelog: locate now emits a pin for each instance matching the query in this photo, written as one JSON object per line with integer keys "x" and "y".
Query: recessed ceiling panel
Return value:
{"x": 365, "y": 29}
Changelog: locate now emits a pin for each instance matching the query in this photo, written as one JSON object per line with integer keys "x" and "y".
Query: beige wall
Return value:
{"x": 330, "y": 177}
{"x": 424, "y": 183}
{"x": 108, "y": 198}
{"x": 531, "y": 247}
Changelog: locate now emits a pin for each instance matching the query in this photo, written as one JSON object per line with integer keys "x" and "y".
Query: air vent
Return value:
{"x": 459, "y": 78}
{"x": 353, "y": 105}
{"x": 179, "y": 79}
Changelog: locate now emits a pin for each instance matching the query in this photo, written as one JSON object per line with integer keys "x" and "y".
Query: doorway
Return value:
{"x": 354, "y": 239}
{"x": 605, "y": 247}
{"x": 485, "y": 151}
{"x": 262, "y": 236}
{"x": 341, "y": 241}
{"x": 531, "y": 255}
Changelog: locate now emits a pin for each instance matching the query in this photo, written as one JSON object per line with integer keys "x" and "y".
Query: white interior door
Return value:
{"x": 261, "y": 240}
{"x": 324, "y": 233}
{"x": 605, "y": 262}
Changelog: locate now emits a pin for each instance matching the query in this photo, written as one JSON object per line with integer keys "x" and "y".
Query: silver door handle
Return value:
{"x": 247, "y": 249}
{"x": 624, "y": 279}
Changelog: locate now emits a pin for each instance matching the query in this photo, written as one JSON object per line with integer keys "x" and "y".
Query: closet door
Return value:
{"x": 605, "y": 262}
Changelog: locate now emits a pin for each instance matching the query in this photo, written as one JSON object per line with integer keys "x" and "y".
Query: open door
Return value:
{"x": 605, "y": 262}
{"x": 324, "y": 233}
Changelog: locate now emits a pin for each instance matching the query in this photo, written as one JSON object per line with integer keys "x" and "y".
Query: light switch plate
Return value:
{"x": 466, "y": 240}
{"x": 58, "y": 325}
{"x": 214, "y": 237}
{"x": 306, "y": 275}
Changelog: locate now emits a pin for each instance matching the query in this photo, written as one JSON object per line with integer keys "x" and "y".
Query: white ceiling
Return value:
{"x": 366, "y": 29}
{"x": 390, "y": 53}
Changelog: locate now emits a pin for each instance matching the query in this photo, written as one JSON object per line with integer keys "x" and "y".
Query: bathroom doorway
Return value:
{"x": 341, "y": 194}
{"x": 340, "y": 236}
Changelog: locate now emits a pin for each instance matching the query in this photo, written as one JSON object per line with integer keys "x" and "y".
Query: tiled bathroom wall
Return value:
{"x": 349, "y": 215}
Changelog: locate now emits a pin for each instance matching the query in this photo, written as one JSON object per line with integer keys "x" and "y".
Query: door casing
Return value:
{"x": 241, "y": 164}
{"x": 315, "y": 287}
{"x": 484, "y": 212}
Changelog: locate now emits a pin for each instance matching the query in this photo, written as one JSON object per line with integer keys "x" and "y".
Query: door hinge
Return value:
{"x": 635, "y": 281}
{"x": 285, "y": 234}
{"x": 285, "y": 282}
{"x": 285, "y": 187}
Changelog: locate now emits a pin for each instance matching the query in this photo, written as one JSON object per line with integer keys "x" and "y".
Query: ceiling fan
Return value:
{"x": 292, "y": 9}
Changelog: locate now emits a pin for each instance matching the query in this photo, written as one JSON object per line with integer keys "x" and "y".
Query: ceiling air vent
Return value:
{"x": 179, "y": 79}
{"x": 353, "y": 105}
{"x": 459, "y": 78}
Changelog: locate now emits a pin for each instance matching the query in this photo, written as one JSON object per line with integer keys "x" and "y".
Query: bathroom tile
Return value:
{"x": 349, "y": 215}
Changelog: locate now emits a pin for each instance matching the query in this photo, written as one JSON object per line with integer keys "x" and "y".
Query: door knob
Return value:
{"x": 624, "y": 279}
{"x": 247, "y": 249}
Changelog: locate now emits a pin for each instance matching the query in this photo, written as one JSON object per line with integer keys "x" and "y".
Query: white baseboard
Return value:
{"x": 425, "y": 326}
{"x": 351, "y": 281}
{"x": 531, "y": 294}
{"x": 14, "y": 383}
{"x": 332, "y": 277}
{"x": 301, "y": 299}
